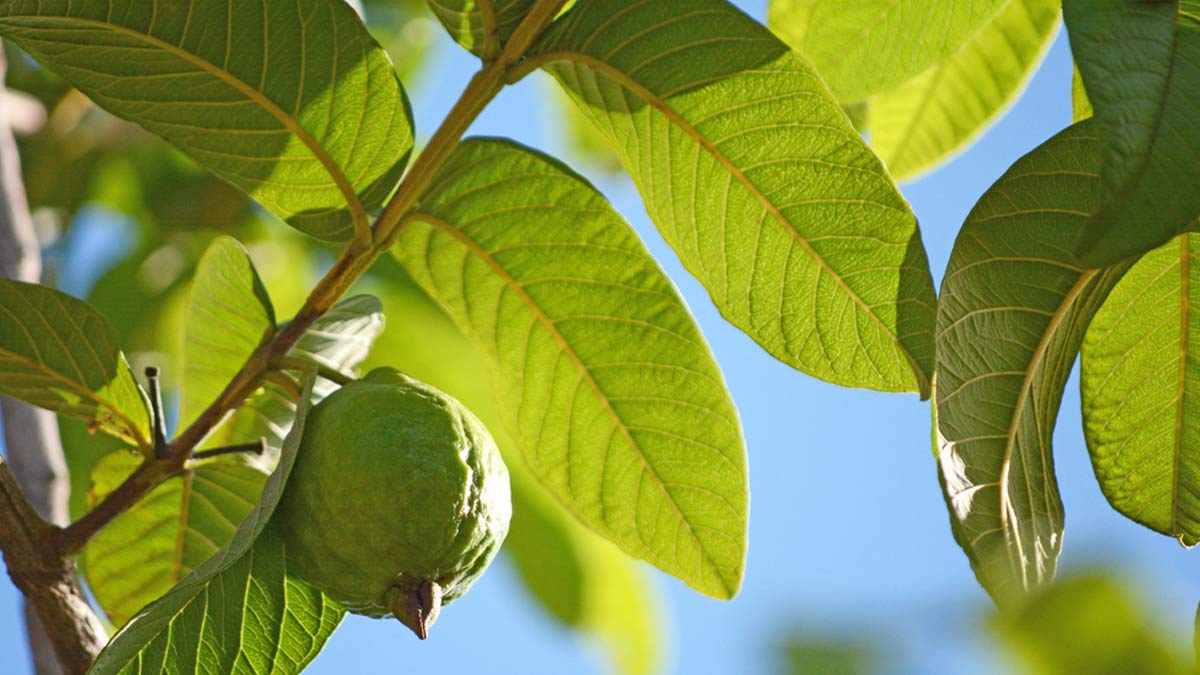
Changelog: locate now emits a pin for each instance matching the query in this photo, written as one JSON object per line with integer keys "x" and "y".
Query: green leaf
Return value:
{"x": 58, "y": 353}
{"x": 1081, "y": 107}
{"x": 295, "y": 104}
{"x": 603, "y": 376}
{"x": 925, "y": 120}
{"x": 580, "y": 579}
{"x": 228, "y": 316}
{"x": 469, "y": 22}
{"x": 1011, "y": 317}
{"x": 1139, "y": 383}
{"x": 1141, "y": 64}
{"x": 1087, "y": 624}
{"x": 341, "y": 339}
{"x": 756, "y": 178}
{"x": 183, "y": 522}
{"x": 240, "y": 612}
{"x": 870, "y": 46}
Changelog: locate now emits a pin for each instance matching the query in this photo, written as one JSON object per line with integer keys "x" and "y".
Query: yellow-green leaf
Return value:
{"x": 870, "y": 46}
{"x": 921, "y": 123}
{"x": 58, "y": 353}
{"x": 756, "y": 178}
{"x": 294, "y": 103}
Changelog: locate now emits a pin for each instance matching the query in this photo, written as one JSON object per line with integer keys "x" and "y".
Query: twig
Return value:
{"x": 256, "y": 448}
{"x": 157, "y": 417}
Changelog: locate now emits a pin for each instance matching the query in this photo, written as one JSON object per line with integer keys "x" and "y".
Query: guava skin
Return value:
{"x": 398, "y": 499}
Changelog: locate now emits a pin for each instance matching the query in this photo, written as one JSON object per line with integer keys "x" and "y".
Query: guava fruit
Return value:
{"x": 398, "y": 499}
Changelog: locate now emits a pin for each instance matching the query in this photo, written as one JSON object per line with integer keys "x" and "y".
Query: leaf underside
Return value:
{"x": 1140, "y": 62}
{"x": 602, "y": 375}
{"x": 469, "y": 21}
{"x": 228, "y": 316}
{"x": 294, "y": 103}
{"x": 1012, "y": 314}
{"x": 921, "y": 123}
{"x": 145, "y": 551}
{"x": 58, "y": 353}
{"x": 758, "y": 181}
{"x": 867, "y": 47}
{"x": 1139, "y": 381}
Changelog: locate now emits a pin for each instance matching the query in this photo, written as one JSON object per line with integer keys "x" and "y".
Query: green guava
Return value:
{"x": 398, "y": 499}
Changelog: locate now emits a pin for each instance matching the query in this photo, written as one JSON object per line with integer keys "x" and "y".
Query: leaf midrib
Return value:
{"x": 662, "y": 106}
{"x": 1027, "y": 387}
{"x": 358, "y": 211}
{"x": 585, "y": 373}
{"x": 1181, "y": 388}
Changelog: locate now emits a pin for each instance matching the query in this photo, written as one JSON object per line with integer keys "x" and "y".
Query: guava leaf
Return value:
{"x": 228, "y": 316}
{"x": 145, "y": 551}
{"x": 870, "y": 46}
{"x": 1012, "y": 313}
{"x": 58, "y": 353}
{"x": 758, "y": 181}
{"x": 341, "y": 339}
{"x": 919, "y": 124}
{"x": 1086, "y": 624}
{"x": 574, "y": 575}
{"x": 1081, "y": 107}
{"x": 1139, "y": 382}
{"x": 1140, "y": 62}
{"x": 602, "y": 375}
{"x": 469, "y": 22}
{"x": 581, "y": 580}
{"x": 293, "y": 103}
{"x": 241, "y": 611}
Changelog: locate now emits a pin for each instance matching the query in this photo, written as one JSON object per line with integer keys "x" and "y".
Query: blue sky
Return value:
{"x": 848, "y": 532}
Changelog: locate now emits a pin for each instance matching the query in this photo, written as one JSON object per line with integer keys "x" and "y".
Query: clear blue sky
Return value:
{"x": 848, "y": 531}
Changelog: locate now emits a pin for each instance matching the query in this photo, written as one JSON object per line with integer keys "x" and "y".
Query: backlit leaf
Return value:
{"x": 1139, "y": 382}
{"x": 1140, "y": 62}
{"x": 470, "y": 21}
{"x": 228, "y": 316}
{"x": 870, "y": 46}
{"x": 1012, "y": 314}
{"x": 145, "y": 551}
{"x": 58, "y": 353}
{"x": 923, "y": 121}
{"x": 294, "y": 103}
{"x": 756, "y": 178}
{"x": 603, "y": 376}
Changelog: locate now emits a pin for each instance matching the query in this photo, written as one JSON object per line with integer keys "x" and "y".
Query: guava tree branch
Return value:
{"x": 62, "y": 627}
{"x": 354, "y": 261}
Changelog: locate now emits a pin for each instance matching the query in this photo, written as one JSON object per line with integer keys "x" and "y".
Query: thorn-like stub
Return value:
{"x": 416, "y": 606}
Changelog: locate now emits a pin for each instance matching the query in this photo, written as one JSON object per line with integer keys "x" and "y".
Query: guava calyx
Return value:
{"x": 417, "y": 606}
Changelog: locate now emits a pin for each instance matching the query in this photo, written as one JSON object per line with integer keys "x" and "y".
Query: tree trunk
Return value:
{"x": 31, "y": 437}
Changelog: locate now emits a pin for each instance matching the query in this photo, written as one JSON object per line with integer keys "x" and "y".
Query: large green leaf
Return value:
{"x": 294, "y": 103}
{"x": 1141, "y": 64}
{"x": 1011, "y": 317}
{"x": 1087, "y": 624}
{"x": 240, "y": 612}
{"x": 228, "y": 316}
{"x": 1140, "y": 382}
{"x": 581, "y": 580}
{"x": 756, "y": 178}
{"x": 340, "y": 340}
{"x": 603, "y": 376}
{"x": 870, "y": 46}
{"x": 183, "y": 522}
{"x": 58, "y": 353}
{"x": 923, "y": 121}
{"x": 469, "y": 22}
